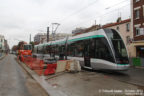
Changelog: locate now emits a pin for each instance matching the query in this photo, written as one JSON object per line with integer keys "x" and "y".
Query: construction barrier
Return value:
{"x": 50, "y": 67}
{"x": 33, "y": 63}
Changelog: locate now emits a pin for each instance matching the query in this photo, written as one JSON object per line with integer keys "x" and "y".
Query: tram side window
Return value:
{"x": 76, "y": 49}
{"x": 44, "y": 49}
{"x": 79, "y": 48}
{"x": 92, "y": 48}
{"x": 71, "y": 49}
{"x": 40, "y": 50}
{"x": 61, "y": 49}
{"x": 52, "y": 50}
{"x": 56, "y": 50}
{"x": 35, "y": 49}
{"x": 89, "y": 48}
{"x": 47, "y": 49}
{"x": 103, "y": 50}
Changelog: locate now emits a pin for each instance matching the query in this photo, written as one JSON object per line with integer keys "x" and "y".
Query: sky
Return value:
{"x": 20, "y": 18}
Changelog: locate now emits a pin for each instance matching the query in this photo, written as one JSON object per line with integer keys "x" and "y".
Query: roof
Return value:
{"x": 117, "y": 23}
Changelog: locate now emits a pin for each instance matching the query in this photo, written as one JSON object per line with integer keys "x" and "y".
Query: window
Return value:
{"x": 128, "y": 39}
{"x": 48, "y": 49}
{"x": 103, "y": 50}
{"x": 71, "y": 49}
{"x": 61, "y": 49}
{"x": 76, "y": 49}
{"x": 137, "y": 0}
{"x": 143, "y": 11}
{"x": 117, "y": 28}
{"x": 140, "y": 51}
{"x": 137, "y": 31}
{"x": 92, "y": 48}
{"x": 79, "y": 47}
{"x": 89, "y": 48}
{"x": 137, "y": 14}
{"x": 127, "y": 27}
{"x": 118, "y": 46}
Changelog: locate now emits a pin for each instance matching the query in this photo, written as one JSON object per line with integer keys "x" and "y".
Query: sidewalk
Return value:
{"x": 79, "y": 84}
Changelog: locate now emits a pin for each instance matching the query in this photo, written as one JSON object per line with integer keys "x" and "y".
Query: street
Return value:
{"x": 15, "y": 82}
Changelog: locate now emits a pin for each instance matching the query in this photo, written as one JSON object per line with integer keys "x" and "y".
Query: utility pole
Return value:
{"x": 95, "y": 25}
{"x": 47, "y": 34}
{"x": 30, "y": 38}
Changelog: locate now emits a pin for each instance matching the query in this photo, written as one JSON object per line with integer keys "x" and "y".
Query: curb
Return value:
{"x": 137, "y": 67}
{"x": 42, "y": 82}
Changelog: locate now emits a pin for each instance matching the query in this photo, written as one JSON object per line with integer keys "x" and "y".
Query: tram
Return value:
{"x": 103, "y": 49}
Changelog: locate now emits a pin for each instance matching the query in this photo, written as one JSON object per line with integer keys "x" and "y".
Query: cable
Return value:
{"x": 78, "y": 11}
{"x": 103, "y": 14}
{"x": 116, "y": 4}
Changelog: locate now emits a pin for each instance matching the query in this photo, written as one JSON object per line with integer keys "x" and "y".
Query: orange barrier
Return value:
{"x": 50, "y": 69}
{"x": 33, "y": 63}
{"x": 38, "y": 65}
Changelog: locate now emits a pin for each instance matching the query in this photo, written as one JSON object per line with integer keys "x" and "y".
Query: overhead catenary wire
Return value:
{"x": 82, "y": 9}
{"x": 78, "y": 11}
{"x": 111, "y": 12}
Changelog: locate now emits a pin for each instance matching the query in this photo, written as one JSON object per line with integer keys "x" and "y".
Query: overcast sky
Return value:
{"x": 20, "y": 18}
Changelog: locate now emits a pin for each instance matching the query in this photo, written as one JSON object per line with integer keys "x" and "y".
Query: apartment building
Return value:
{"x": 2, "y": 43}
{"x": 42, "y": 37}
{"x": 137, "y": 13}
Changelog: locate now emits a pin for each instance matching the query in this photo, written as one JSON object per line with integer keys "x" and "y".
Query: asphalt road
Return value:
{"x": 15, "y": 82}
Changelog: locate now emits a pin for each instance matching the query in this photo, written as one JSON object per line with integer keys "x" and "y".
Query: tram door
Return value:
{"x": 87, "y": 54}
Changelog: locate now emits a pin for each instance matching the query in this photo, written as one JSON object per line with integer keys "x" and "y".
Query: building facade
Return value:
{"x": 137, "y": 14}
{"x": 42, "y": 37}
{"x": 79, "y": 31}
{"x": 2, "y": 43}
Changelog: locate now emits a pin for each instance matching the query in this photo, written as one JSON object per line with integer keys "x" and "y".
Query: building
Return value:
{"x": 78, "y": 31}
{"x": 42, "y": 37}
{"x": 59, "y": 36}
{"x": 124, "y": 27}
{"x": 4, "y": 47}
{"x": 137, "y": 14}
{"x": 2, "y": 43}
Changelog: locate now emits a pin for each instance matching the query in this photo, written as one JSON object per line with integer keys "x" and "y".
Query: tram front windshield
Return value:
{"x": 118, "y": 46}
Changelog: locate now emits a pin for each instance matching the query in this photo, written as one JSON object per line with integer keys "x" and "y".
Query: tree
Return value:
{"x": 14, "y": 48}
{"x": 20, "y": 45}
{"x": 32, "y": 43}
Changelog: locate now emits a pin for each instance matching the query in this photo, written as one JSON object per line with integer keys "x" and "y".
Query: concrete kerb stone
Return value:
{"x": 42, "y": 82}
{"x": 138, "y": 67}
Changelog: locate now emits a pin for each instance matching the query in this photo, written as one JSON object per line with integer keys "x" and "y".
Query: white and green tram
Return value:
{"x": 103, "y": 49}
